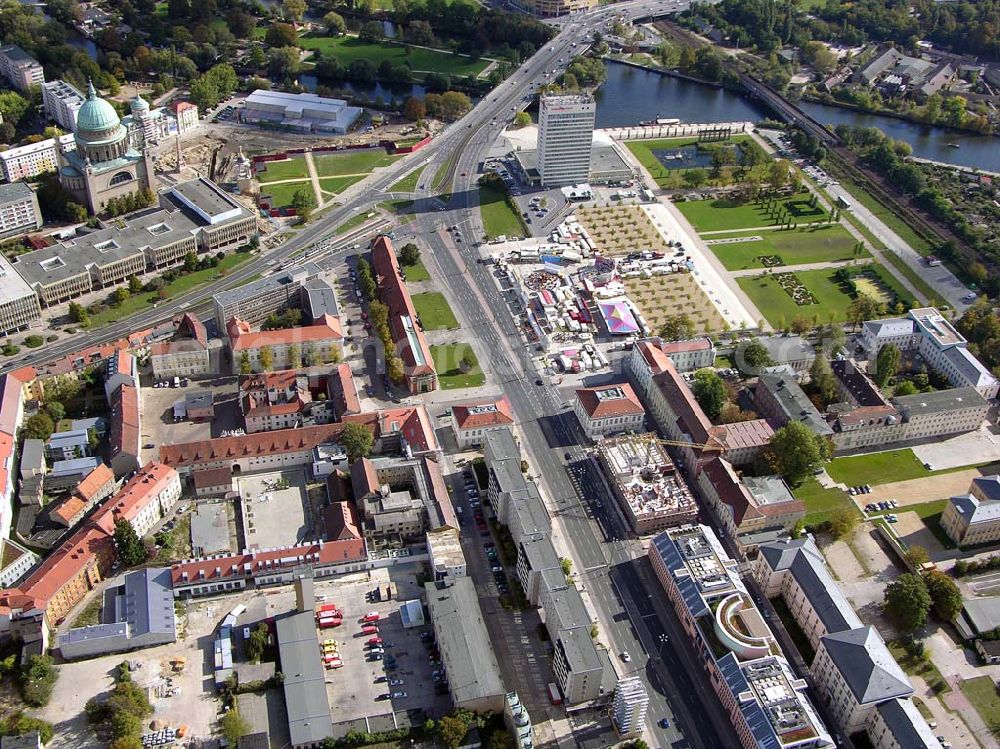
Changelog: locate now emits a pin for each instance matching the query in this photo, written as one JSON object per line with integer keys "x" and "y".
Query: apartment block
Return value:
{"x": 583, "y": 671}
{"x": 20, "y": 68}
{"x": 470, "y": 421}
{"x": 565, "y": 138}
{"x": 185, "y": 353}
{"x": 62, "y": 103}
{"x": 27, "y": 162}
{"x": 286, "y": 348}
{"x": 254, "y": 302}
{"x": 147, "y": 497}
{"x": 628, "y": 709}
{"x": 690, "y": 355}
{"x": 19, "y": 212}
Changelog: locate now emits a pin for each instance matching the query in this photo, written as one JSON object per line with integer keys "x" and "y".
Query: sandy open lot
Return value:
{"x": 195, "y": 706}
{"x": 916, "y": 491}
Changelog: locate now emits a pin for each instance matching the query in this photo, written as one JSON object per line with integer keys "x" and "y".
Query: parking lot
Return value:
{"x": 157, "y": 414}
{"x": 399, "y": 675}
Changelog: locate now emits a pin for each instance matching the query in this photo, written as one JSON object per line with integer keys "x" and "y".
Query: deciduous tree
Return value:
{"x": 710, "y": 391}
{"x": 357, "y": 440}
{"x": 131, "y": 551}
{"x": 945, "y": 595}
{"x": 907, "y": 602}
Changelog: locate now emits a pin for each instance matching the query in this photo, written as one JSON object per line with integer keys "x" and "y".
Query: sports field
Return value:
{"x": 821, "y": 244}
{"x": 347, "y": 49}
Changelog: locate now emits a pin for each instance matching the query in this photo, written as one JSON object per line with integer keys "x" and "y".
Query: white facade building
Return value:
{"x": 565, "y": 138}
{"x": 300, "y": 113}
{"x": 27, "y": 162}
{"x": 937, "y": 342}
{"x": 20, "y": 68}
{"x": 62, "y": 103}
{"x": 628, "y": 711}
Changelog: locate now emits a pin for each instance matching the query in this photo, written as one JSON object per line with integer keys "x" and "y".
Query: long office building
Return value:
{"x": 767, "y": 704}
{"x": 300, "y": 113}
{"x": 194, "y": 216}
{"x": 20, "y": 68}
{"x": 466, "y": 649}
{"x": 565, "y": 136}
{"x": 253, "y": 302}
{"x": 855, "y": 673}
{"x": 583, "y": 671}
{"x": 19, "y": 211}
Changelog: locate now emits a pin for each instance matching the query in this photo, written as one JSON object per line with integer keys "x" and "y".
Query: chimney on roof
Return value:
{"x": 305, "y": 594}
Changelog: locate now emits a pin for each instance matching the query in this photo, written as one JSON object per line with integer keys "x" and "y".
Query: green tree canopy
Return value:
{"x": 677, "y": 327}
{"x": 795, "y": 452}
{"x": 907, "y": 602}
{"x": 131, "y": 550}
{"x": 357, "y": 440}
{"x": 409, "y": 254}
{"x": 334, "y": 23}
{"x": 752, "y": 356}
{"x": 39, "y": 427}
{"x": 945, "y": 595}
{"x": 886, "y": 364}
{"x": 710, "y": 391}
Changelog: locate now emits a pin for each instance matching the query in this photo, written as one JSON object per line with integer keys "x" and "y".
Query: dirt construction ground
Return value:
{"x": 916, "y": 491}
{"x": 194, "y": 707}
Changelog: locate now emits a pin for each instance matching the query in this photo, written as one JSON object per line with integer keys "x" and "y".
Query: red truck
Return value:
{"x": 330, "y": 621}
{"x": 375, "y": 641}
{"x": 327, "y": 607}
{"x": 371, "y": 616}
{"x": 371, "y": 629}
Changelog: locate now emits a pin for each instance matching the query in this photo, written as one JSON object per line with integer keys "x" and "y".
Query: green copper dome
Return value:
{"x": 96, "y": 115}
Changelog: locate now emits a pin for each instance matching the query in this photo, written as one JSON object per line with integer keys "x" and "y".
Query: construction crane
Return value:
{"x": 681, "y": 443}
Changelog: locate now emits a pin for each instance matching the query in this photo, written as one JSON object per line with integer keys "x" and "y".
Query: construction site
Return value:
{"x": 651, "y": 493}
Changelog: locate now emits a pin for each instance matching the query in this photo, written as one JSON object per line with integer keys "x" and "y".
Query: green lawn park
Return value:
{"x": 281, "y": 194}
{"x": 821, "y": 502}
{"x": 409, "y": 182}
{"x": 293, "y": 168}
{"x": 982, "y": 693}
{"x": 338, "y": 184}
{"x": 819, "y": 244}
{"x": 447, "y": 360}
{"x": 498, "y": 218}
{"x": 833, "y": 298}
{"x": 355, "y": 161}
{"x": 347, "y": 49}
{"x": 416, "y": 272}
{"x": 727, "y": 215}
{"x": 434, "y": 311}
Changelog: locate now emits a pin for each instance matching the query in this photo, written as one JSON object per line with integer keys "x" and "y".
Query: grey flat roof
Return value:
{"x": 12, "y": 286}
{"x": 768, "y": 489}
{"x": 274, "y": 281}
{"x": 464, "y": 642}
{"x": 603, "y": 159}
{"x": 75, "y": 465}
{"x": 210, "y": 528}
{"x": 308, "y": 706}
{"x": 198, "y": 399}
{"x": 939, "y": 400}
{"x": 206, "y": 196}
{"x": 785, "y": 349}
{"x": 32, "y": 454}
{"x": 11, "y": 191}
{"x": 578, "y": 647}
{"x": 567, "y": 608}
{"x": 982, "y": 614}
{"x": 13, "y": 52}
{"x": 540, "y": 553}
{"x": 531, "y": 513}
{"x": 148, "y": 604}
{"x": 867, "y": 666}
{"x": 320, "y": 297}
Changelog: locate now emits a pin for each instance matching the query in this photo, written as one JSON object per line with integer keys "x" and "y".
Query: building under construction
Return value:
{"x": 649, "y": 490}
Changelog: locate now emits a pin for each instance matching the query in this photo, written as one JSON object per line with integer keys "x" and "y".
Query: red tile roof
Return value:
{"x": 692, "y": 420}
{"x": 440, "y": 491}
{"x": 239, "y": 566}
{"x": 653, "y": 355}
{"x": 482, "y": 414}
{"x": 94, "y": 481}
{"x": 341, "y": 522}
{"x": 342, "y": 391}
{"x": 210, "y": 477}
{"x": 741, "y": 434}
{"x": 242, "y": 338}
{"x": 141, "y": 489}
{"x": 68, "y": 509}
{"x": 254, "y": 445}
{"x": 393, "y": 292}
{"x": 364, "y": 479}
{"x": 680, "y": 347}
{"x": 607, "y": 401}
{"x": 125, "y": 422}
{"x": 413, "y": 424}
{"x": 190, "y": 333}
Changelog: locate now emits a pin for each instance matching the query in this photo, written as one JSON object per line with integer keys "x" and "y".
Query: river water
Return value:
{"x": 630, "y": 95}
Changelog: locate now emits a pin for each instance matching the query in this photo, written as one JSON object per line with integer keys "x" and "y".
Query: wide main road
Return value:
{"x": 499, "y": 106}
